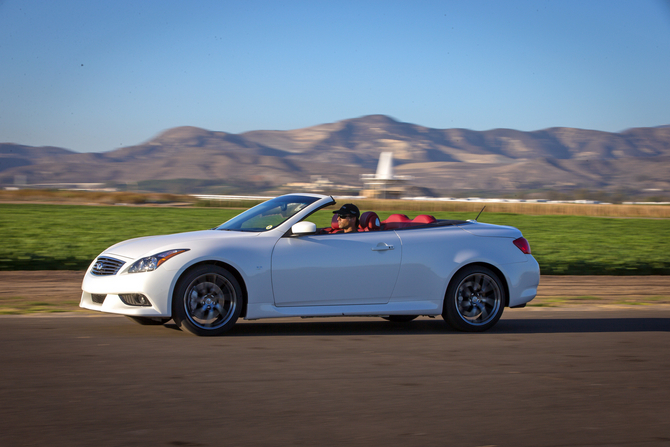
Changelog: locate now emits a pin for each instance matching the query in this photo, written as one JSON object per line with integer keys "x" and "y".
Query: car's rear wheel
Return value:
{"x": 400, "y": 318}
{"x": 475, "y": 300}
{"x": 207, "y": 301}
{"x": 149, "y": 321}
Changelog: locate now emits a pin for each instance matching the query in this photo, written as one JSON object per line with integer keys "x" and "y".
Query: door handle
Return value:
{"x": 382, "y": 246}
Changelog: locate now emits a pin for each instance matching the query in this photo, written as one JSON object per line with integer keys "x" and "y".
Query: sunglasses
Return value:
{"x": 344, "y": 216}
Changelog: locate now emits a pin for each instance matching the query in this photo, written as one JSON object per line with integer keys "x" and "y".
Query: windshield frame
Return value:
{"x": 299, "y": 202}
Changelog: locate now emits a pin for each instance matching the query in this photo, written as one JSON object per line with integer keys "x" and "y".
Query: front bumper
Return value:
{"x": 101, "y": 293}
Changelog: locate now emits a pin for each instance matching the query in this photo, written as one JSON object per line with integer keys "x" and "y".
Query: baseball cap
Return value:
{"x": 348, "y": 208}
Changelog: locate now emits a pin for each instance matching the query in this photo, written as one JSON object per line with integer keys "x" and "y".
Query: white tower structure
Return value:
{"x": 385, "y": 166}
{"x": 384, "y": 184}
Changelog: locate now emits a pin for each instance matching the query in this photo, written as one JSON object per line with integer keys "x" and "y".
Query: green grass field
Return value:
{"x": 69, "y": 237}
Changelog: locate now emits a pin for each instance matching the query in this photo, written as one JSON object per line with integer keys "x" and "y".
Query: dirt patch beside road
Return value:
{"x": 602, "y": 290}
{"x": 59, "y": 291}
{"x": 40, "y": 291}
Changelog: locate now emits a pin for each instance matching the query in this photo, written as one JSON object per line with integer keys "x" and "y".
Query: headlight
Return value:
{"x": 151, "y": 263}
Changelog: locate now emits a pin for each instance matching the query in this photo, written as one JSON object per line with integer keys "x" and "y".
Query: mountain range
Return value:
{"x": 442, "y": 161}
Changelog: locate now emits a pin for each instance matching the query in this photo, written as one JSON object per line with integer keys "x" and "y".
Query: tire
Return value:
{"x": 475, "y": 300}
{"x": 400, "y": 318}
{"x": 207, "y": 301}
{"x": 149, "y": 321}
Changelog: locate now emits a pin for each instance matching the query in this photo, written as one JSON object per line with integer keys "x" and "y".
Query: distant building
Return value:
{"x": 319, "y": 184}
{"x": 384, "y": 184}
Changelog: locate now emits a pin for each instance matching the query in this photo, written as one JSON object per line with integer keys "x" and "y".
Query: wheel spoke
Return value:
{"x": 484, "y": 313}
{"x": 480, "y": 282}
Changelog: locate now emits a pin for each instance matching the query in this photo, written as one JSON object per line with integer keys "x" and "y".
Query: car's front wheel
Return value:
{"x": 475, "y": 300}
{"x": 207, "y": 301}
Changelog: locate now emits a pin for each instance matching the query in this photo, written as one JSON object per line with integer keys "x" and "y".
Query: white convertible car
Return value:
{"x": 271, "y": 261}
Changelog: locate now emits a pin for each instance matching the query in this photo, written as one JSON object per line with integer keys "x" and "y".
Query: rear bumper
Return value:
{"x": 523, "y": 280}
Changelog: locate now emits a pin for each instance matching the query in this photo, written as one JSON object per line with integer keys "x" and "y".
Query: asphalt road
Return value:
{"x": 539, "y": 378}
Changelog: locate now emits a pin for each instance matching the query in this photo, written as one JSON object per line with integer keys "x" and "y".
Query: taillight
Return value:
{"x": 523, "y": 245}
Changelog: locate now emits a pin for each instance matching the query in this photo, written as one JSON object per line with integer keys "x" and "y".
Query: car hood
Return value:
{"x": 150, "y": 245}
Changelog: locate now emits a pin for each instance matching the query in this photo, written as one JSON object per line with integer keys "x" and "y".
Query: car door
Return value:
{"x": 336, "y": 269}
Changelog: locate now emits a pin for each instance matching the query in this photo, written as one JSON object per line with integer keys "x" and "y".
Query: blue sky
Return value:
{"x": 95, "y": 76}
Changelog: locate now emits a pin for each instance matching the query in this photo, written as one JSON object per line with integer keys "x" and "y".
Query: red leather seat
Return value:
{"x": 369, "y": 221}
{"x": 397, "y": 221}
{"x": 334, "y": 226}
{"x": 397, "y": 218}
{"x": 424, "y": 218}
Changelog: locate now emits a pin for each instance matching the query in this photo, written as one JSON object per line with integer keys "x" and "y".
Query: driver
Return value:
{"x": 348, "y": 218}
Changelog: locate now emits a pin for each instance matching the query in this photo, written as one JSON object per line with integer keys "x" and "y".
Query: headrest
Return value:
{"x": 397, "y": 218}
{"x": 424, "y": 218}
{"x": 369, "y": 221}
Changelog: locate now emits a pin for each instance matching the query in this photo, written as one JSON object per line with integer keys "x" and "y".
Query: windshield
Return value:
{"x": 268, "y": 215}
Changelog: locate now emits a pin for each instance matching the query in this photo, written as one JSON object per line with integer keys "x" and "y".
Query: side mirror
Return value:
{"x": 303, "y": 228}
